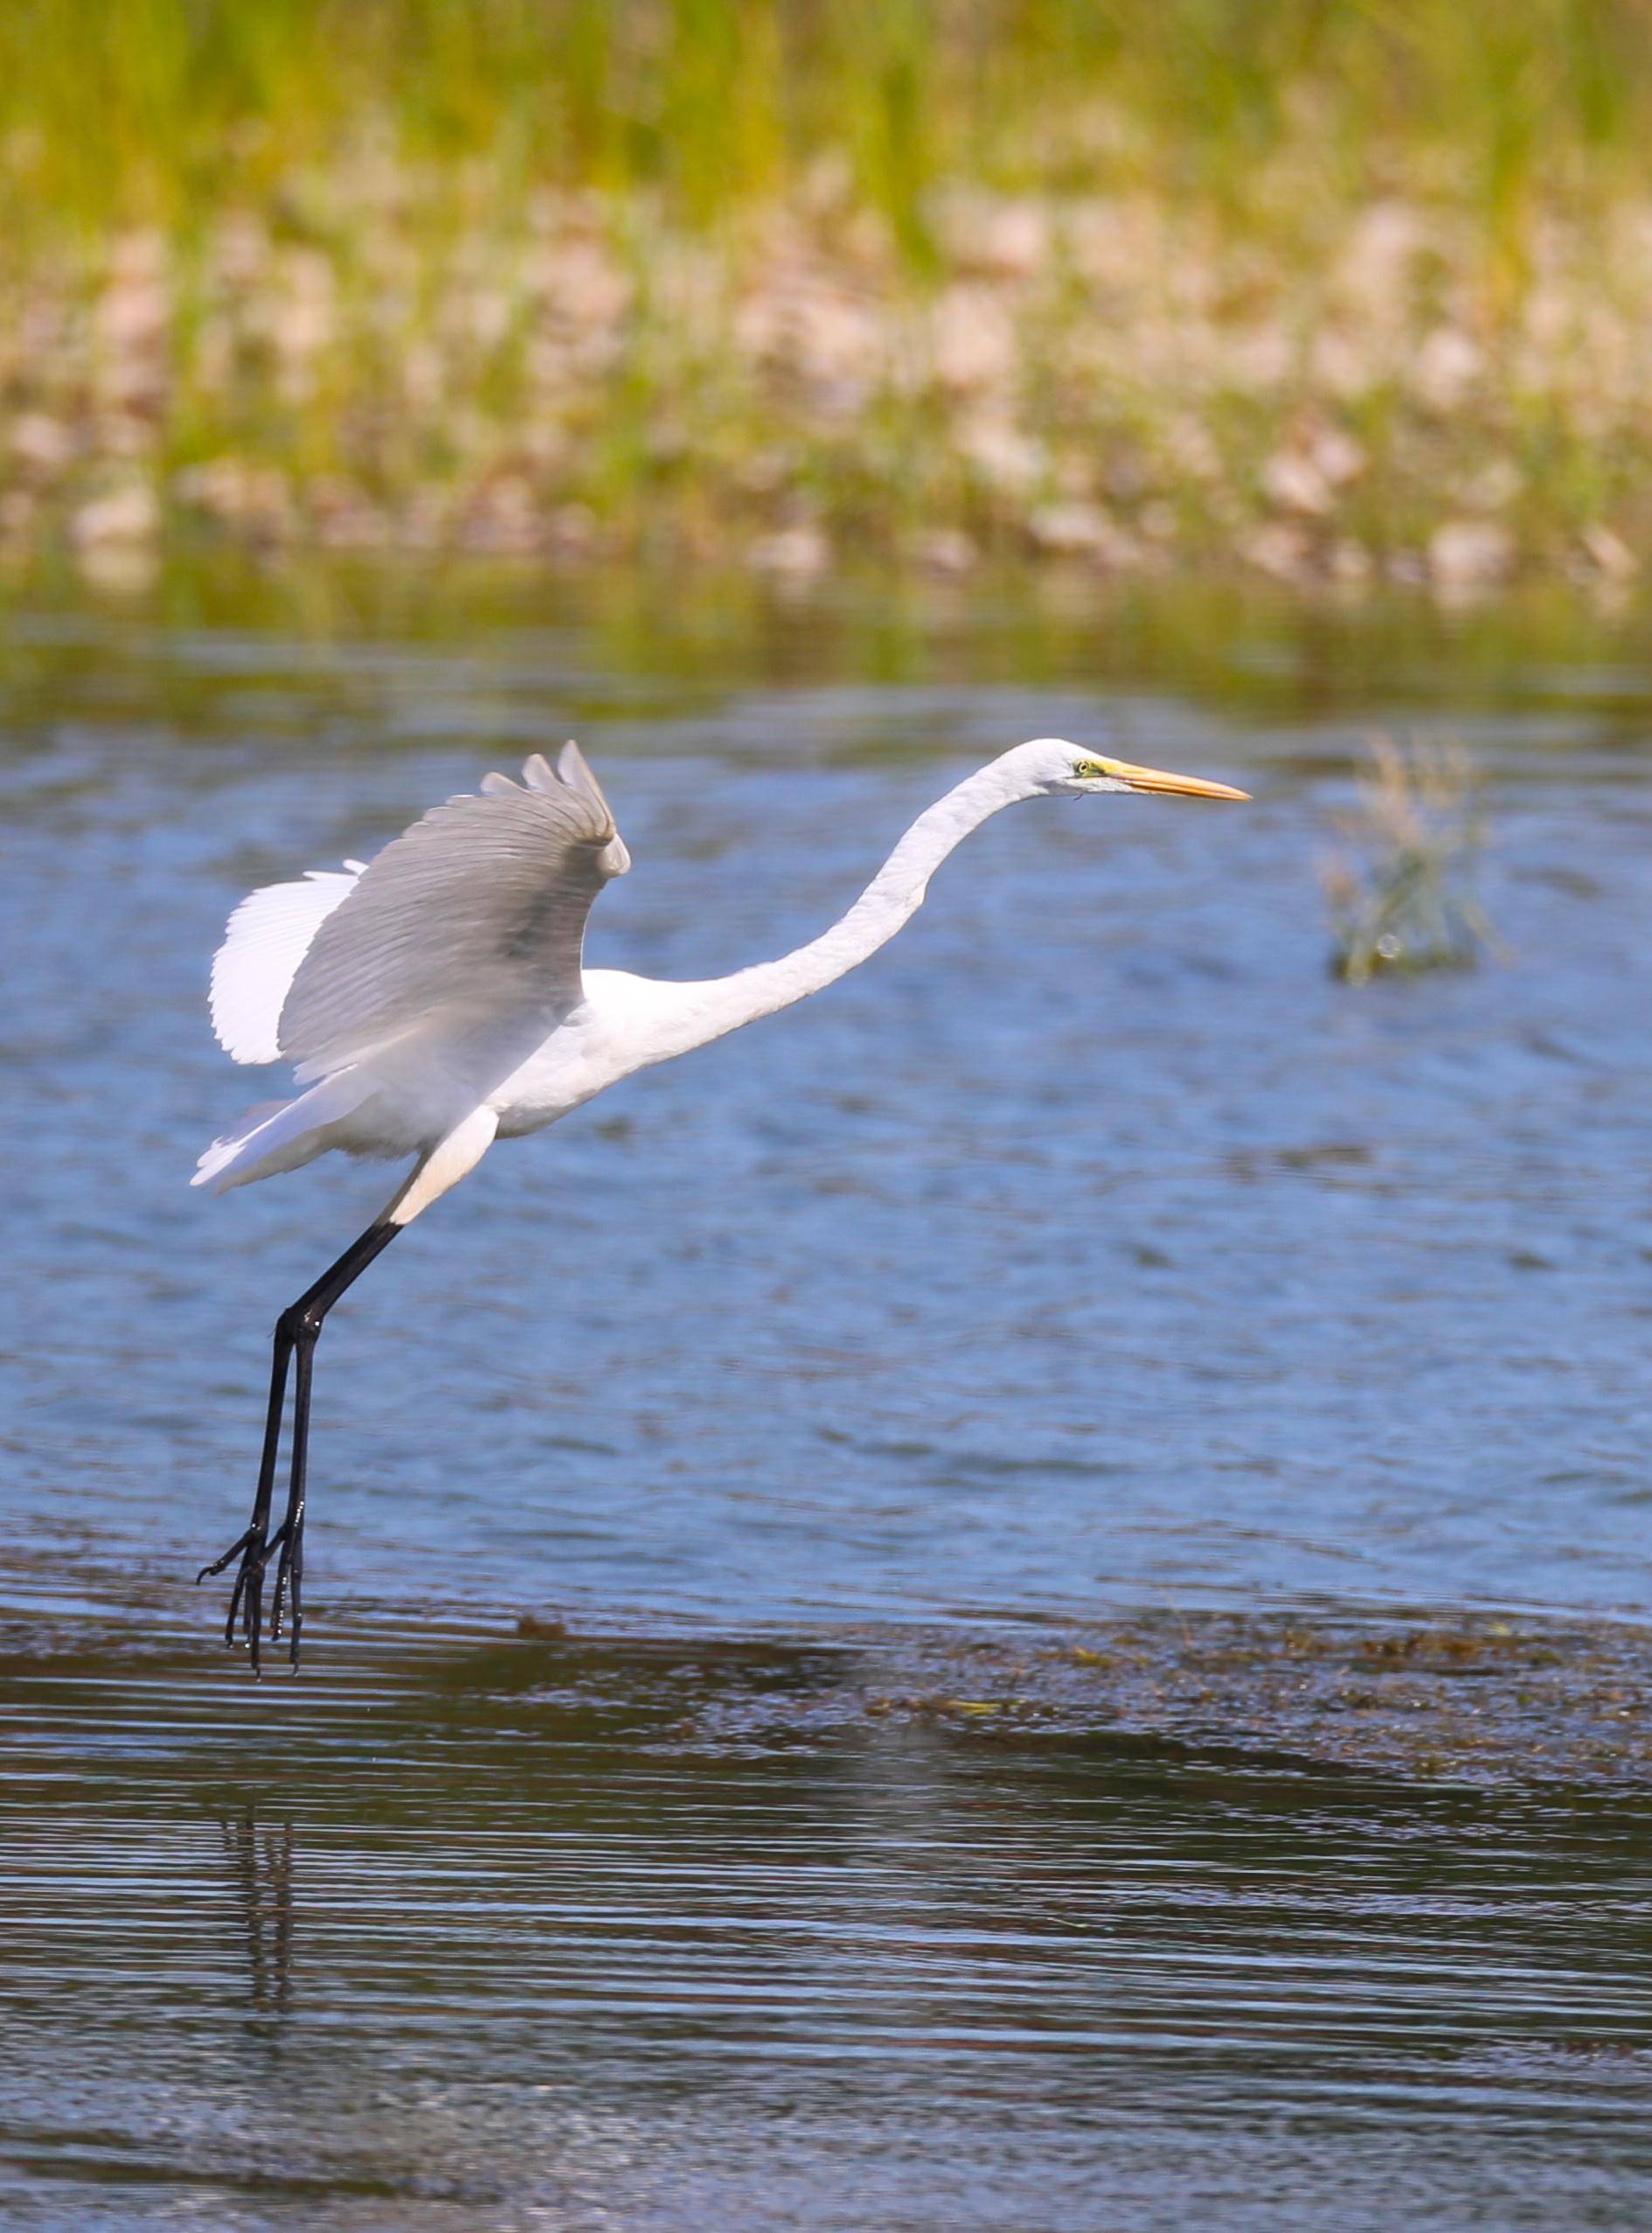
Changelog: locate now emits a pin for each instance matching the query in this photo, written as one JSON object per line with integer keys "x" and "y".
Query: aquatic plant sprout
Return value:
{"x": 1403, "y": 901}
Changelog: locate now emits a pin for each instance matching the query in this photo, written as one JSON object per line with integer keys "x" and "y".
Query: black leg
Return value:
{"x": 296, "y": 1331}
{"x": 246, "y": 1599}
{"x": 289, "y": 1575}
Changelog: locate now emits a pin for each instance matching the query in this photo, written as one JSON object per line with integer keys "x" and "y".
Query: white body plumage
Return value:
{"x": 436, "y": 999}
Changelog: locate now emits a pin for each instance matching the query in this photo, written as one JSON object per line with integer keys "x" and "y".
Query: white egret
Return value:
{"x": 434, "y": 1000}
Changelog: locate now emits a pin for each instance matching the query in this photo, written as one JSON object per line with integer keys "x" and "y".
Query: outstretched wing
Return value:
{"x": 475, "y": 912}
{"x": 265, "y": 939}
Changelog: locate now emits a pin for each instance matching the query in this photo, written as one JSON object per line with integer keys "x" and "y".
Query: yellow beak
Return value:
{"x": 1155, "y": 779}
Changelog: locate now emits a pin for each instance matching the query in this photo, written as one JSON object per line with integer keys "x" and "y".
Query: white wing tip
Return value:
{"x": 574, "y": 769}
{"x": 264, "y": 942}
{"x": 572, "y": 772}
{"x": 538, "y": 774}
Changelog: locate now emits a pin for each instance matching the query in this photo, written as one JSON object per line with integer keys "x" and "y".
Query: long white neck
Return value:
{"x": 721, "y": 1005}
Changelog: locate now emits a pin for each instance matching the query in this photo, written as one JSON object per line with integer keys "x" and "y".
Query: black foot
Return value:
{"x": 247, "y": 1599}
{"x": 286, "y": 1606}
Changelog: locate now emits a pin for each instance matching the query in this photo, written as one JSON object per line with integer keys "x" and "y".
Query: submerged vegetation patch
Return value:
{"x": 1328, "y": 294}
{"x": 1403, "y": 899}
{"x": 1475, "y": 1698}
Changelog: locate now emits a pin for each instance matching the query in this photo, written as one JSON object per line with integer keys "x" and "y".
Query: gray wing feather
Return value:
{"x": 476, "y": 912}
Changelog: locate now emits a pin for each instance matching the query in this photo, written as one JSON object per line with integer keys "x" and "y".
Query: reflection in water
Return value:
{"x": 260, "y": 1867}
{"x": 531, "y": 1928}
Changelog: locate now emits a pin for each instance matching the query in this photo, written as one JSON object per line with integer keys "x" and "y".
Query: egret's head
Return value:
{"x": 1054, "y": 768}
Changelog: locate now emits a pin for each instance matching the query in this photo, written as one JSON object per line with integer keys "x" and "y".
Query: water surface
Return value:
{"x": 1088, "y": 1245}
{"x": 1089, "y": 1250}
{"x": 490, "y": 1934}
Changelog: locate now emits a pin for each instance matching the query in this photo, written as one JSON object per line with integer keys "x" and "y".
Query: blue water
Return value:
{"x": 1089, "y": 1246}
{"x": 1092, "y": 1249}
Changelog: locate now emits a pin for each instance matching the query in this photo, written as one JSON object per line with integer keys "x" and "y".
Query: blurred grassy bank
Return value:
{"x": 1324, "y": 290}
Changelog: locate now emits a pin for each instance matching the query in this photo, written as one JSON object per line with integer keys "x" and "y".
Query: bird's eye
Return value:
{"x": 1088, "y": 770}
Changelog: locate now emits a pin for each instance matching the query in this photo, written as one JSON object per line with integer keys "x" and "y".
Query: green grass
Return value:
{"x": 392, "y": 178}
{"x": 159, "y": 111}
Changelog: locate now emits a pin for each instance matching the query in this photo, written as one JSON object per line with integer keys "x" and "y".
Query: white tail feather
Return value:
{"x": 280, "y": 1135}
